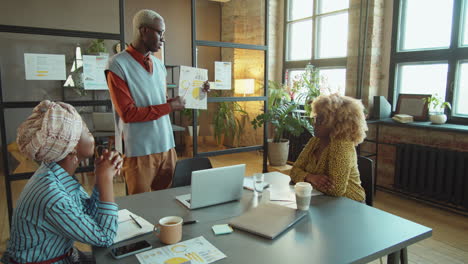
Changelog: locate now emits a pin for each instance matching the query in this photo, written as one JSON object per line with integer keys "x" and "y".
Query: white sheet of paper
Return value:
{"x": 128, "y": 228}
{"x": 44, "y": 66}
{"x": 282, "y": 195}
{"x": 93, "y": 72}
{"x": 222, "y": 75}
{"x": 287, "y": 194}
{"x": 191, "y": 87}
{"x": 195, "y": 250}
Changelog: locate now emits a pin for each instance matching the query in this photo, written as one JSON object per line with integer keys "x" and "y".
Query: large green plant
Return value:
{"x": 281, "y": 114}
{"x": 309, "y": 83}
{"x": 277, "y": 94}
{"x": 225, "y": 121}
{"x": 284, "y": 119}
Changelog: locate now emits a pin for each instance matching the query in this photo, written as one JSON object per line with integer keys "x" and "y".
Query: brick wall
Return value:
{"x": 420, "y": 136}
{"x": 370, "y": 36}
{"x": 243, "y": 22}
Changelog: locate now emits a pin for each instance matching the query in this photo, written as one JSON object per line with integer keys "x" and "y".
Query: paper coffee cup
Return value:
{"x": 303, "y": 193}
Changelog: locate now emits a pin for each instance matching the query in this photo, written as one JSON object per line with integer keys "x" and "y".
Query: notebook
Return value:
{"x": 214, "y": 186}
{"x": 128, "y": 228}
{"x": 268, "y": 220}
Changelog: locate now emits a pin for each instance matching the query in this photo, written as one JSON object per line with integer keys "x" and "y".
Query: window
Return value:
{"x": 465, "y": 26}
{"x": 332, "y": 80}
{"x": 317, "y": 33}
{"x": 460, "y": 109}
{"x": 430, "y": 52}
{"x": 425, "y": 30}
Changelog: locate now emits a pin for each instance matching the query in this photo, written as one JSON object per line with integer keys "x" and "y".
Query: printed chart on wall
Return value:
{"x": 196, "y": 250}
{"x": 44, "y": 66}
{"x": 222, "y": 75}
{"x": 191, "y": 87}
{"x": 93, "y": 72}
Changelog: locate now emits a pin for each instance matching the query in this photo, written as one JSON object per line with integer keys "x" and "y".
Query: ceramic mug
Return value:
{"x": 169, "y": 229}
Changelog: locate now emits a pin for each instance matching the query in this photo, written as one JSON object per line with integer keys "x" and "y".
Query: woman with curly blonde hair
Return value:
{"x": 329, "y": 160}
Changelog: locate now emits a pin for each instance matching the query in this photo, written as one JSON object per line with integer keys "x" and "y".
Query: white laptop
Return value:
{"x": 214, "y": 186}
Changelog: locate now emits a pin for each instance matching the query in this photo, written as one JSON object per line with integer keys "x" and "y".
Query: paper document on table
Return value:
{"x": 127, "y": 227}
{"x": 248, "y": 184}
{"x": 282, "y": 195}
{"x": 196, "y": 250}
{"x": 287, "y": 194}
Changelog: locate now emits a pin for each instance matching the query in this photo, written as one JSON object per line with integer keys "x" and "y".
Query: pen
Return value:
{"x": 136, "y": 222}
{"x": 190, "y": 222}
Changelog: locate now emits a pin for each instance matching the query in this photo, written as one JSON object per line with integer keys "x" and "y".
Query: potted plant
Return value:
{"x": 283, "y": 118}
{"x": 436, "y": 107}
{"x": 188, "y": 114}
{"x": 227, "y": 124}
{"x": 95, "y": 48}
{"x": 309, "y": 84}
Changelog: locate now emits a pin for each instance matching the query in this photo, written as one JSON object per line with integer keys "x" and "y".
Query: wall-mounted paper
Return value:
{"x": 44, "y": 66}
{"x": 222, "y": 75}
{"x": 191, "y": 87}
{"x": 93, "y": 72}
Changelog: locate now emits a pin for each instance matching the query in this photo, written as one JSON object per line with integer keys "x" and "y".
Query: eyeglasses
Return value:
{"x": 318, "y": 120}
{"x": 160, "y": 32}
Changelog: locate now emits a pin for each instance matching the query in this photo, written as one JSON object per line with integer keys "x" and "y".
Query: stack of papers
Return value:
{"x": 128, "y": 228}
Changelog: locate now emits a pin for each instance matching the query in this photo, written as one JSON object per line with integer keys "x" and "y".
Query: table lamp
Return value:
{"x": 244, "y": 86}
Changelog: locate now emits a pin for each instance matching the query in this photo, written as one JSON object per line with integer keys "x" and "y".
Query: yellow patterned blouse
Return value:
{"x": 338, "y": 161}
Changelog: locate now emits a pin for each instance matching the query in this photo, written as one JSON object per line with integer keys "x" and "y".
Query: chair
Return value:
{"x": 366, "y": 170}
{"x": 184, "y": 168}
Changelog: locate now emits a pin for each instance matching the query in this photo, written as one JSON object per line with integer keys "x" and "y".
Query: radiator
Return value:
{"x": 438, "y": 174}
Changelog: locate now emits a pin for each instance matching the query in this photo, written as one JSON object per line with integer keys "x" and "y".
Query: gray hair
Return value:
{"x": 144, "y": 17}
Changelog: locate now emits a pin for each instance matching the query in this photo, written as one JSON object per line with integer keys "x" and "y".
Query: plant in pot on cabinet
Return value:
{"x": 436, "y": 107}
{"x": 283, "y": 117}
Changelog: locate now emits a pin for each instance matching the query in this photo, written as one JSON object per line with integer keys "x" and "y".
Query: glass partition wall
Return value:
{"x": 234, "y": 32}
{"x": 70, "y": 39}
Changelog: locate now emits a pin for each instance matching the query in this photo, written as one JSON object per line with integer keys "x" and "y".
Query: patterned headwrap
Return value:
{"x": 51, "y": 132}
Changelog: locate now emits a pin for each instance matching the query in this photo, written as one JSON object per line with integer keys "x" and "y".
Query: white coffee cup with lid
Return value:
{"x": 303, "y": 193}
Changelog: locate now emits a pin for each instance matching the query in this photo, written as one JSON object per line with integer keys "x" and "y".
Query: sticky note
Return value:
{"x": 222, "y": 229}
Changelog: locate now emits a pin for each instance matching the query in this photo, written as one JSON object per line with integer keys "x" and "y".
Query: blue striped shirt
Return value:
{"x": 52, "y": 212}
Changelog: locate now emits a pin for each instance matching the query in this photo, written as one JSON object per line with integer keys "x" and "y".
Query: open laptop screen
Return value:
{"x": 215, "y": 186}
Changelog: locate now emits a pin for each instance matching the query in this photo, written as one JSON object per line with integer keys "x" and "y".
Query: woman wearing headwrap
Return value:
{"x": 54, "y": 210}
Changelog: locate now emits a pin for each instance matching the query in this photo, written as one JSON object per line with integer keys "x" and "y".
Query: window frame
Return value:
{"x": 338, "y": 62}
{"x": 453, "y": 55}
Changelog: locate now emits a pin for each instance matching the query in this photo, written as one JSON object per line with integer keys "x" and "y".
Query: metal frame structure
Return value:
{"x": 9, "y": 178}
{"x": 450, "y": 55}
{"x": 264, "y": 98}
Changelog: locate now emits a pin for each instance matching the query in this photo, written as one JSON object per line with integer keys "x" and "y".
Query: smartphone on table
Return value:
{"x": 130, "y": 249}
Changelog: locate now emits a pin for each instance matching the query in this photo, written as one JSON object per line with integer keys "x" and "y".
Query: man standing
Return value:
{"x": 137, "y": 86}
